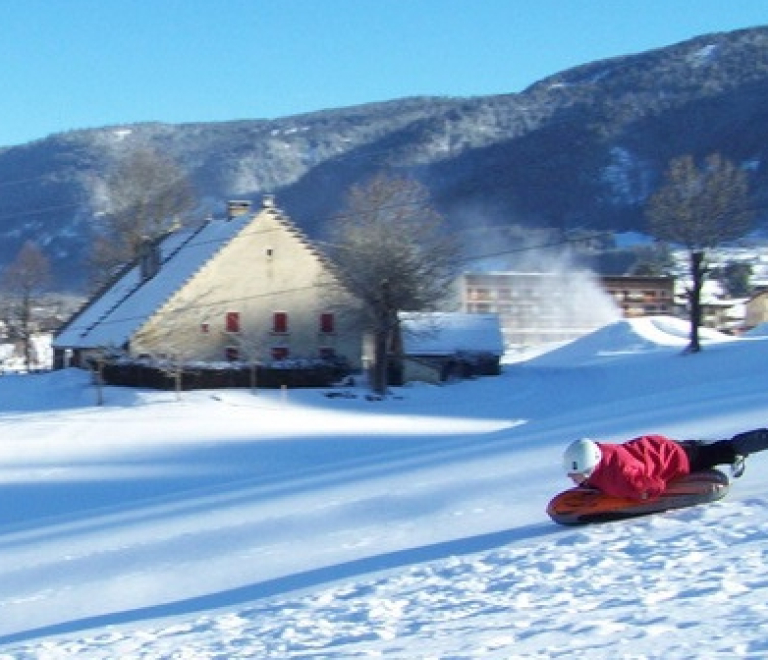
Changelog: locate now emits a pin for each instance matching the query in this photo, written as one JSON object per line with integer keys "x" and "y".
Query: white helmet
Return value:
{"x": 581, "y": 456}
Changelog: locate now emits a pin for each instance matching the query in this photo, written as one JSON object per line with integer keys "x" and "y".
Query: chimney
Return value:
{"x": 149, "y": 258}
{"x": 236, "y": 208}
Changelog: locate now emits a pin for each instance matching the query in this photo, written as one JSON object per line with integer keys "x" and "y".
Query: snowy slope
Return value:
{"x": 233, "y": 525}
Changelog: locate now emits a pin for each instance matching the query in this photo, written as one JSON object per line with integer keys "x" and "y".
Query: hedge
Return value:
{"x": 211, "y": 377}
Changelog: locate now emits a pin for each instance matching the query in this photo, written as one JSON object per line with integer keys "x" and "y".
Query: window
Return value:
{"x": 327, "y": 323}
{"x": 233, "y": 322}
{"x": 279, "y": 353}
{"x": 205, "y": 328}
{"x": 327, "y": 353}
{"x": 280, "y": 323}
{"x": 232, "y": 354}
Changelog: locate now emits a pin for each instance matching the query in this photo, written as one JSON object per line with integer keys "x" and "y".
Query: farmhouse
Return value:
{"x": 249, "y": 286}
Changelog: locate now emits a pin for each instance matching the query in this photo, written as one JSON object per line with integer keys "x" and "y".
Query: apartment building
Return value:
{"x": 542, "y": 308}
{"x": 641, "y": 296}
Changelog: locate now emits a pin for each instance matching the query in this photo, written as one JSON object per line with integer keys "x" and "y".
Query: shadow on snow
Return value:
{"x": 299, "y": 581}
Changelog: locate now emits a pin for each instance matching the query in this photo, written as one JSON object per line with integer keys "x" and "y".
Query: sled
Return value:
{"x": 582, "y": 505}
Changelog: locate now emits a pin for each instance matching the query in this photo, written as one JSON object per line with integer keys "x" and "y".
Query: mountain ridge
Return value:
{"x": 579, "y": 150}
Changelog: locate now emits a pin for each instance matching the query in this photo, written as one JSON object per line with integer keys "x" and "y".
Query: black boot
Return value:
{"x": 750, "y": 442}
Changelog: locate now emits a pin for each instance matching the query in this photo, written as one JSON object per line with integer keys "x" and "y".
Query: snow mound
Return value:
{"x": 628, "y": 336}
{"x": 671, "y": 331}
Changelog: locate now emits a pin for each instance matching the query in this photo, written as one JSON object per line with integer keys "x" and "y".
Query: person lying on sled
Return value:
{"x": 640, "y": 469}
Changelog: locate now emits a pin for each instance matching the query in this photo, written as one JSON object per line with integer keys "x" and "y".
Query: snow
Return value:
{"x": 111, "y": 319}
{"x": 628, "y": 177}
{"x": 704, "y": 55}
{"x": 446, "y": 333}
{"x": 228, "y": 524}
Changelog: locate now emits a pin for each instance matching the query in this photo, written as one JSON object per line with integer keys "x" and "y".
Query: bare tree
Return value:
{"x": 736, "y": 277}
{"x": 700, "y": 208}
{"x": 97, "y": 362}
{"x": 148, "y": 194}
{"x": 25, "y": 279}
{"x": 394, "y": 254}
{"x": 251, "y": 347}
{"x": 655, "y": 260}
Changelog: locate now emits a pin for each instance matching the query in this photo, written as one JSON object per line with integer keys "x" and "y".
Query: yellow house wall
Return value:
{"x": 266, "y": 268}
{"x": 756, "y": 311}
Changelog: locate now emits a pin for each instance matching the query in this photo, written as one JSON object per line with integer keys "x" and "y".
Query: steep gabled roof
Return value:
{"x": 112, "y": 318}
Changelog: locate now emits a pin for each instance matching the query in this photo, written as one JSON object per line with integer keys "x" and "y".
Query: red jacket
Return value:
{"x": 639, "y": 469}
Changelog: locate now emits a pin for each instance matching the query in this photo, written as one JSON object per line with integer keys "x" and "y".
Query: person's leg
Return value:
{"x": 750, "y": 442}
{"x": 704, "y": 456}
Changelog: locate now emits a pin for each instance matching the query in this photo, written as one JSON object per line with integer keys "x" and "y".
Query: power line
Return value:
{"x": 531, "y": 248}
{"x": 208, "y": 305}
{"x": 24, "y": 214}
{"x": 284, "y": 292}
{"x": 372, "y": 156}
{"x": 23, "y": 181}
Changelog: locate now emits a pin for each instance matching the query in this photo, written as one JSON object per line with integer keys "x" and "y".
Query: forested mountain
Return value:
{"x": 582, "y": 149}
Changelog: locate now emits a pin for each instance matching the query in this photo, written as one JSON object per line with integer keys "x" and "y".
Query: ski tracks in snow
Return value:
{"x": 601, "y": 591}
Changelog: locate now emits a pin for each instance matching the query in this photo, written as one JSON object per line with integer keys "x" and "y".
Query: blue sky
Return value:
{"x": 70, "y": 64}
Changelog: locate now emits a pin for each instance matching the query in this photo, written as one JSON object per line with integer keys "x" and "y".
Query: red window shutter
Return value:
{"x": 233, "y": 321}
{"x": 327, "y": 323}
{"x": 280, "y": 322}
{"x": 279, "y": 353}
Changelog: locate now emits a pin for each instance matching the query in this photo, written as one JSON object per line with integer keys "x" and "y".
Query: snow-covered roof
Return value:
{"x": 447, "y": 333}
{"x": 115, "y": 316}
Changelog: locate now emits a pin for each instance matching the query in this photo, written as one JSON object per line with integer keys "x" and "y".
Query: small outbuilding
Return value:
{"x": 440, "y": 347}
